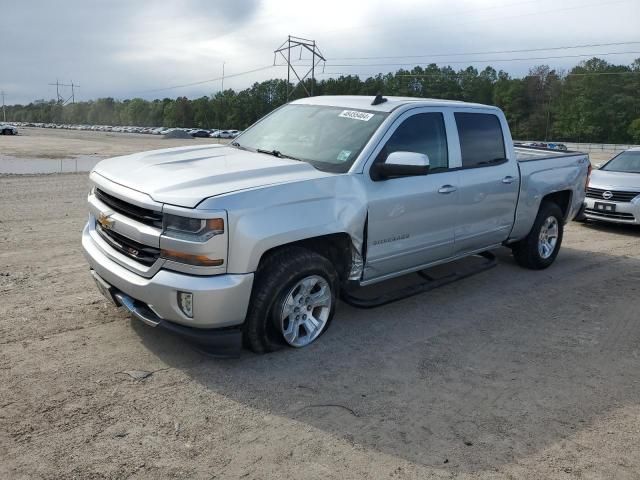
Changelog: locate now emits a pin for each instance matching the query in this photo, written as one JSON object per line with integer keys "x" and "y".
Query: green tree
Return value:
{"x": 634, "y": 130}
{"x": 595, "y": 101}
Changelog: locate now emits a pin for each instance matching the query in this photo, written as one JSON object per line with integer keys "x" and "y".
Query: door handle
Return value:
{"x": 508, "y": 179}
{"x": 447, "y": 189}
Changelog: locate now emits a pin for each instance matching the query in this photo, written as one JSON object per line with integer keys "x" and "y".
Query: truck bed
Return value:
{"x": 526, "y": 154}
{"x": 565, "y": 171}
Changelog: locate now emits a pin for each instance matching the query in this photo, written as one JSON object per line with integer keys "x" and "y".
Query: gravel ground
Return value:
{"x": 508, "y": 374}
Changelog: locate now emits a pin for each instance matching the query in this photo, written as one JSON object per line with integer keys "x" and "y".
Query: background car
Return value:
{"x": 6, "y": 129}
{"x": 227, "y": 134}
{"x": 199, "y": 133}
{"x": 613, "y": 194}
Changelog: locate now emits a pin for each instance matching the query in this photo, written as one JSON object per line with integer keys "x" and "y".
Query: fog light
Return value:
{"x": 185, "y": 302}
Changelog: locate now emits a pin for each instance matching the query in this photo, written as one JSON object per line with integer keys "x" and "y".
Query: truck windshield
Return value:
{"x": 329, "y": 138}
{"x": 628, "y": 162}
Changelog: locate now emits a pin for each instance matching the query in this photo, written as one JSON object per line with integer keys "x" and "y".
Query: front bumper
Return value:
{"x": 219, "y": 301}
{"x": 625, "y": 212}
{"x": 220, "y": 342}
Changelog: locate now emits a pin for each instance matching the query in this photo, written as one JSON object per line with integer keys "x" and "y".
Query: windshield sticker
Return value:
{"x": 343, "y": 155}
{"x": 355, "y": 115}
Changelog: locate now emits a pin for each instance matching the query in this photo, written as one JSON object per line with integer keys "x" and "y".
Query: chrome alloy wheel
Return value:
{"x": 548, "y": 237}
{"x": 305, "y": 311}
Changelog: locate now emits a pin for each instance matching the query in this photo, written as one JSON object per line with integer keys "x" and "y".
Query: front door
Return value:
{"x": 411, "y": 219}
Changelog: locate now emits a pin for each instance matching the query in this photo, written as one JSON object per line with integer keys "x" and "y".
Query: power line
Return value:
{"x": 454, "y": 74}
{"x": 209, "y": 80}
{"x": 497, "y": 60}
{"x": 489, "y": 52}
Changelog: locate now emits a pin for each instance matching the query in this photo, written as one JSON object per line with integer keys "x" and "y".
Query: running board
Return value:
{"x": 430, "y": 284}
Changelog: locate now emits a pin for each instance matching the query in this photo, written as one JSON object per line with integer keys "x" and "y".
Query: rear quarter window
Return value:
{"x": 481, "y": 139}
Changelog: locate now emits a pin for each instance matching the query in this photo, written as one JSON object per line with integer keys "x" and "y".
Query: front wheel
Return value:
{"x": 540, "y": 248}
{"x": 293, "y": 300}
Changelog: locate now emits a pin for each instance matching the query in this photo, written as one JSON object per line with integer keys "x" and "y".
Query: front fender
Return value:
{"x": 268, "y": 217}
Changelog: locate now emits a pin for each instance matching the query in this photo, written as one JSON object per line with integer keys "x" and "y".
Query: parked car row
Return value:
{"x": 194, "y": 132}
{"x": 549, "y": 145}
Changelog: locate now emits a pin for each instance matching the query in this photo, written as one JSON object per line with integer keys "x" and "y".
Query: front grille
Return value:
{"x": 617, "y": 195}
{"x": 142, "y": 215}
{"x": 132, "y": 249}
{"x": 612, "y": 215}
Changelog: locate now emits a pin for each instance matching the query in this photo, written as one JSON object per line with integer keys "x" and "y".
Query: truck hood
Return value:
{"x": 615, "y": 180}
{"x": 185, "y": 176}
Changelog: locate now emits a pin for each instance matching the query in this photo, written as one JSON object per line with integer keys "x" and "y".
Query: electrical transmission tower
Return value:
{"x": 60, "y": 98}
{"x": 292, "y": 43}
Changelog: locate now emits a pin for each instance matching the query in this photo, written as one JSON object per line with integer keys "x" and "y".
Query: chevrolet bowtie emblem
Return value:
{"x": 105, "y": 220}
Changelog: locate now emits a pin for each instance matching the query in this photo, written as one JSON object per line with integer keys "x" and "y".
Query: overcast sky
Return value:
{"x": 125, "y": 48}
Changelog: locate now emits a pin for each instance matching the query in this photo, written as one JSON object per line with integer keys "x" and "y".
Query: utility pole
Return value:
{"x": 316, "y": 57}
{"x": 222, "y": 88}
{"x": 4, "y": 113}
{"x": 57, "y": 84}
{"x": 73, "y": 95}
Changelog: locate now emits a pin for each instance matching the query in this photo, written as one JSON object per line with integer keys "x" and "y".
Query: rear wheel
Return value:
{"x": 539, "y": 249}
{"x": 293, "y": 300}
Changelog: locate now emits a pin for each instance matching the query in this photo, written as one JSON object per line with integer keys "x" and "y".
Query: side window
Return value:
{"x": 421, "y": 133}
{"x": 481, "y": 139}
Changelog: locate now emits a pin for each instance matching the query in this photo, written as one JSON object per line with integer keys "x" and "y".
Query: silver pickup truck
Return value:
{"x": 257, "y": 240}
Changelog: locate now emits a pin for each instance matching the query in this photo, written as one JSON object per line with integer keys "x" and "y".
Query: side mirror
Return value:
{"x": 401, "y": 164}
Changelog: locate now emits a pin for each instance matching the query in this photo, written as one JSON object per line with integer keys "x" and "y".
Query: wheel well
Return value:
{"x": 562, "y": 199}
{"x": 336, "y": 247}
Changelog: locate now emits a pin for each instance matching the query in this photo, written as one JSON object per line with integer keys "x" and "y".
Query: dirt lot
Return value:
{"x": 509, "y": 374}
{"x": 59, "y": 143}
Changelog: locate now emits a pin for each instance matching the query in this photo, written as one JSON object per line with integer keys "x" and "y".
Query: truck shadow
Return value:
{"x": 480, "y": 373}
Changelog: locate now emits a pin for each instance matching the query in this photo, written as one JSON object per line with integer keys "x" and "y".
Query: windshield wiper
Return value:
{"x": 237, "y": 145}
{"x": 277, "y": 153}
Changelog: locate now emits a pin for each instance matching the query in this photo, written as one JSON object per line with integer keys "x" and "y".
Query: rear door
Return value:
{"x": 411, "y": 219}
{"x": 488, "y": 183}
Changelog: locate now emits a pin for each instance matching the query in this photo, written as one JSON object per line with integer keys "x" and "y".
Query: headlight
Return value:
{"x": 192, "y": 229}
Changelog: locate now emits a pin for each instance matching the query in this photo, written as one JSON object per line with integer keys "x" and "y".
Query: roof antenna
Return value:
{"x": 378, "y": 100}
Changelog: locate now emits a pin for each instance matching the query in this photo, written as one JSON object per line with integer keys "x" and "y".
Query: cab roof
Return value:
{"x": 363, "y": 102}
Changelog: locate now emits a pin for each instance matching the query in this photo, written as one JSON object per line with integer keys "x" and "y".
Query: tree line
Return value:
{"x": 595, "y": 101}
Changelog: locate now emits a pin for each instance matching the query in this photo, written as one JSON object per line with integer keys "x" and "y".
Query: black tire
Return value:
{"x": 6, "y": 131}
{"x": 275, "y": 277}
{"x": 526, "y": 251}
